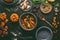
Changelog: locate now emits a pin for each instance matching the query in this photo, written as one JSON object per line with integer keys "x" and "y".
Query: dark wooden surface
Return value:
{"x": 16, "y": 27}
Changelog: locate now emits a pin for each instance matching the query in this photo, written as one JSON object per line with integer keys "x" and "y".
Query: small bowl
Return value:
{"x": 44, "y": 33}
{"x": 26, "y": 9}
{"x": 14, "y": 1}
{"x": 46, "y": 8}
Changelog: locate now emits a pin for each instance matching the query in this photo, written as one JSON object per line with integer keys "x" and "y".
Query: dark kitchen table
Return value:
{"x": 14, "y": 27}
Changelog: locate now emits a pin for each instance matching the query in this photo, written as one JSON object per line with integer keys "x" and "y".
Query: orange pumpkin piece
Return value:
{"x": 2, "y": 24}
{"x": 14, "y": 17}
{"x": 3, "y": 16}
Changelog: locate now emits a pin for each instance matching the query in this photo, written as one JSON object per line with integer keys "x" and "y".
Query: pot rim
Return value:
{"x": 47, "y": 29}
{"x": 21, "y": 24}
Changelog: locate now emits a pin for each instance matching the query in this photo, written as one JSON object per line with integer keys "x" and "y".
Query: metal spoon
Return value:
{"x": 44, "y": 19}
